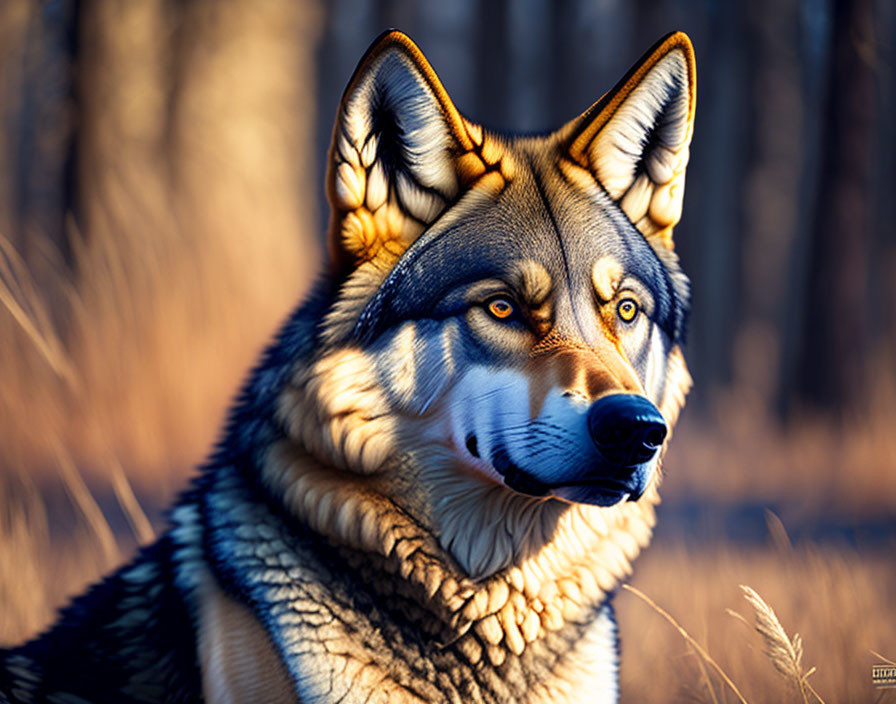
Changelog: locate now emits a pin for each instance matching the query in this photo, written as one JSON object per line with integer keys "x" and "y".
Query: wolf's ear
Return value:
{"x": 635, "y": 140}
{"x": 397, "y": 155}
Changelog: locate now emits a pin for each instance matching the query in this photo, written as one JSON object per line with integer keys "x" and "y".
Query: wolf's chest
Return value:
{"x": 331, "y": 656}
{"x": 280, "y": 620}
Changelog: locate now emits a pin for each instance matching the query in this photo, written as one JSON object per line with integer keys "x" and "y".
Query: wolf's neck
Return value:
{"x": 575, "y": 556}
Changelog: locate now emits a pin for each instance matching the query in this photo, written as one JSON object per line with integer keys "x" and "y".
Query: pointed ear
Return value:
{"x": 635, "y": 140}
{"x": 396, "y": 159}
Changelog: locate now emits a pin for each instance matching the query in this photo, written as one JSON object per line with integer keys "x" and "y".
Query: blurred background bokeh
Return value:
{"x": 162, "y": 209}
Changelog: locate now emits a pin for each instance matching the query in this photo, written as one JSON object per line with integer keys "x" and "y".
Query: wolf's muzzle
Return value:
{"x": 627, "y": 432}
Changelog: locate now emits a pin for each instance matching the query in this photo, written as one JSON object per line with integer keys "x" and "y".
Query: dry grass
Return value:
{"x": 704, "y": 658}
{"x": 784, "y": 652}
{"x": 839, "y": 600}
{"x": 40, "y": 568}
{"x": 845, "y": 468}
{"x": 197, "y": 232}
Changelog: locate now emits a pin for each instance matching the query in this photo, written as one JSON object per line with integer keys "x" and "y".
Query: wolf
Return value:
{"x": 442, "y": 468}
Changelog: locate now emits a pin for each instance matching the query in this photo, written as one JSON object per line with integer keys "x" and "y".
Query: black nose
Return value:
{"x": 627, "y": 428}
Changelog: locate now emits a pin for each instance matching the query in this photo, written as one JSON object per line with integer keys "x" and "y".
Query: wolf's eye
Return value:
{"x": 627, "y": 309}
{"x": 501, "y": 308}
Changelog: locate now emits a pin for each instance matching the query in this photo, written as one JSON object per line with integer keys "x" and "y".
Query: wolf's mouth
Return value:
{"x": 517, "y": 478}
{"x": 601, "y": 490}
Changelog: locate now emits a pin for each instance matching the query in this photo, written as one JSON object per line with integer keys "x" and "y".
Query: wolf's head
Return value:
{"x": 505, "y": 342}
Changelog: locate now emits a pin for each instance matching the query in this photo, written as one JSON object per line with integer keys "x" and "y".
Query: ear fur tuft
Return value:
{"x": 392, "y": 167}
{"x": 635, "y": 140}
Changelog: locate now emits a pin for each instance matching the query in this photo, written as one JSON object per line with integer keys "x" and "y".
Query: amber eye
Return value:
{"x": 501, "y": 308}
{"x": 627, "y": 309}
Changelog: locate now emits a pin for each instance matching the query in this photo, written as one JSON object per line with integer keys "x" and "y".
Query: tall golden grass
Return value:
{"x": 837, "y": 599}
{"x": 37, "y": 573}
{"x": 197, "y": 232}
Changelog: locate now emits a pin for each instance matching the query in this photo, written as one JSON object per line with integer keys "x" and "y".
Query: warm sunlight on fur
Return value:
{"x": 420, "y": 490}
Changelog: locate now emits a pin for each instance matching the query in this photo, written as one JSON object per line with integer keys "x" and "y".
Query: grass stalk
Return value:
{"x": 688, "y": 638}
{"x": 785, "y": 653}
{"x": 124, "y": 492}
{"x": 83, "y": 498}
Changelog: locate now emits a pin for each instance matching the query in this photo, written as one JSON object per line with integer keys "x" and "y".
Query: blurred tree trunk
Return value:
{"x": 652, "y": 22}
{"x": 815, "y": 57}
{"x": 490, "y": 27}
{"x": 196, "y": 216}
{"x": 46, "y": 127}
{"x": 768, "y": 197}
{"x": 883, "y": 232}
{"x": 121, "y": 168}
{"x": 393, "y": 14}
{"x": 450, "y": 44}
{"x": 561, "y": 70}
{"x": 720, "y": 157}
{"x": 835, "y": 349}
{"x": 592, "y": 48}
{"x": 528, "y": 66}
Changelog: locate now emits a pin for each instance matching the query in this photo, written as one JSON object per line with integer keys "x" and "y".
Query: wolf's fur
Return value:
{"x": 355, "y": 537}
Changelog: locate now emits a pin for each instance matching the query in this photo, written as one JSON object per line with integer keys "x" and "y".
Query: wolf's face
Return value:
{"x": 530, "y": 337}
{"x": 511, "y": 309}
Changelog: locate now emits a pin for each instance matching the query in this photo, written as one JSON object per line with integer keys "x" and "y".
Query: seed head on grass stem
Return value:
{"x": 785, "y": 653}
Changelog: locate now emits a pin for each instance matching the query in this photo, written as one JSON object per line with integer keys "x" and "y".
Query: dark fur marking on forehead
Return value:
{"x": 555, "y": 227}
